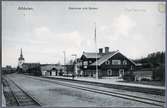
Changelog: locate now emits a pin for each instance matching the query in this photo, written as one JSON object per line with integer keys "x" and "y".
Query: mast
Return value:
{"x": 64, "y": 61}
{"x": 64, "y": 57}
{"x": 96, "y": 52}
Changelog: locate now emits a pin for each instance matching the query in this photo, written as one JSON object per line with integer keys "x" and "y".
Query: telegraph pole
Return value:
{"x": 64, "y": 59}
{"x": 97, "y": 76}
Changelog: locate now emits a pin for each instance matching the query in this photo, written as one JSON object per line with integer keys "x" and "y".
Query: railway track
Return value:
{"x": 9, "y": 97}
{"x": 145, "y": 100}
{"x": 22, "y": 98}
{"x": 154, "y": 91}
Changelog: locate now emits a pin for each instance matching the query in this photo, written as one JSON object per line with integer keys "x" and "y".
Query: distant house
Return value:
{"x": 52, "y": 69}
{"x": 109, "y": 63}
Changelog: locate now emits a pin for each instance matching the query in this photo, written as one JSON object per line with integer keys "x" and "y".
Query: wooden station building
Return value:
{"x": 109, "y": 63}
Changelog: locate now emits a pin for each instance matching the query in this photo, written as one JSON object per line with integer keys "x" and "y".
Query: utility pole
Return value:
{"x": 97, "y": 76}
{"x": 64, "y": 59}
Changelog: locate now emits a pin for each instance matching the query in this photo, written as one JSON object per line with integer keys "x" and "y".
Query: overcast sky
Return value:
{"x": 47, "y": 29}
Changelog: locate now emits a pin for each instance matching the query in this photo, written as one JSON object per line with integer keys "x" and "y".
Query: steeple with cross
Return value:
{"x": 20, "y": 59}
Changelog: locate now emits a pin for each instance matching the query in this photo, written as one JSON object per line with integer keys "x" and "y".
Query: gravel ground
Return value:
{"x": 50, "y": 94}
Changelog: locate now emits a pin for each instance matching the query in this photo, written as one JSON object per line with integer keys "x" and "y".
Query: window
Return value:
{"x": 125, "y": 62}
{"x": 121, "y": 72}
{"x": 131, "y": 67}
{"x": 90, "y": 61}
{"x": 116, "y": 62}
{"x": 109, "y": 72}
{"x": 85, "y": 67}
{"x": 85, "y": 63}
{"x": 107, "y": 62}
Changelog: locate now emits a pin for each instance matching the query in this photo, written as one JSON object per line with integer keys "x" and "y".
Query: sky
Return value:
{"x": 45, "y": 30}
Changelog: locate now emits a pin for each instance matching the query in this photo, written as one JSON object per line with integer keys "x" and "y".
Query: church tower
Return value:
{"x": 20, "y": 60}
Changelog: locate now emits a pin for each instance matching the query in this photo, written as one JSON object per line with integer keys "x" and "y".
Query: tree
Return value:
{"x": 156, "y": 61}
{"x": 159, "y": 73}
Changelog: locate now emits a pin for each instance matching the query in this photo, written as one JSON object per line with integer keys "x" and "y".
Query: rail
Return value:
{"x": 22, "y": 97}
{"x": 109, "y": 93}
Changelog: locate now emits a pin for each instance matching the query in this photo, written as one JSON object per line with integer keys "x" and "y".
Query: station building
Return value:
{"x": 52, "y": 69}
{"x": 109, "y": 64}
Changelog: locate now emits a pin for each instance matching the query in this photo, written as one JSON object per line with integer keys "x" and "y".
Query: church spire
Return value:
{"x": 20, "y": 59}
{"x": 21, "y": 55}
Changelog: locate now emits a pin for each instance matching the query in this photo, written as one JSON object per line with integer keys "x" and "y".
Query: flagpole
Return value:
{"x": 96, "y": 53}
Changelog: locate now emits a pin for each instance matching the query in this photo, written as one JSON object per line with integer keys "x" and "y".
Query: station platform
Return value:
{"x": 118, "y": 83}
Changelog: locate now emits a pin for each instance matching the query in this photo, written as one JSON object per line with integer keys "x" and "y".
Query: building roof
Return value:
{"x": 31, "y": 63}
{"x": 50, "y": 67}
{"x": 50, "y": 64}
{"x": 106, "y": 57}
{"x": 91, "y": 55}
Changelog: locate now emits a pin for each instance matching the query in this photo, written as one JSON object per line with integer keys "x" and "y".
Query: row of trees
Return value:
{"x": 156, "y": 61}
{"x": 8, "y": 70}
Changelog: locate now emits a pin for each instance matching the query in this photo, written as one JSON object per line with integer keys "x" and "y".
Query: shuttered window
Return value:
{"x": 85, "y": 63}
{"x": 116, "y": 62}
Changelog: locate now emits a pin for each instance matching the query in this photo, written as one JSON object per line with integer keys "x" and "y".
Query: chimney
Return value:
{"x": 106, "y": 50}
{"x": 100, "y": 50}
